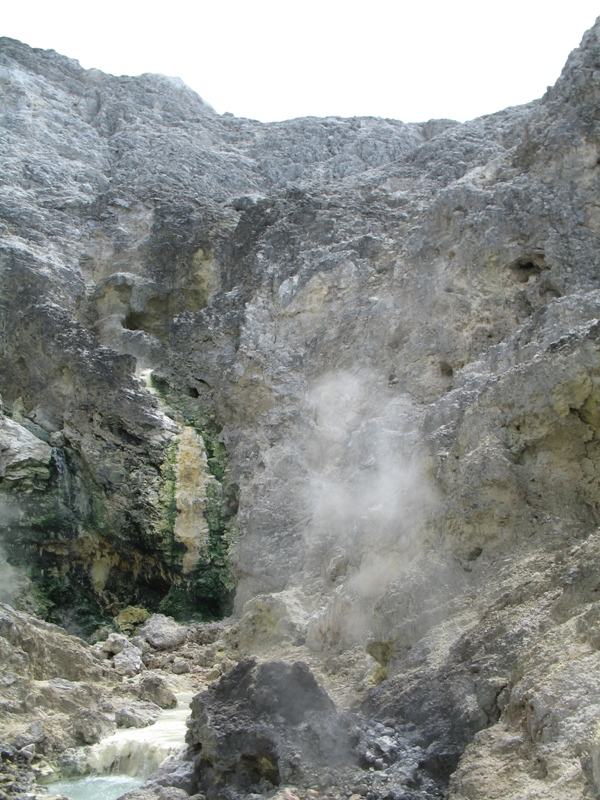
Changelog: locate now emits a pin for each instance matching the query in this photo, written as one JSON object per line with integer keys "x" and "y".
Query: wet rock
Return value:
{"x": 153, "y": 791}
{"x": 176, "y": 772}
{"x": 73, "y": 762}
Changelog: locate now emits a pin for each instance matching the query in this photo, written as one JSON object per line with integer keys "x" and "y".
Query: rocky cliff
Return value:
{"x": 338, "y": 376}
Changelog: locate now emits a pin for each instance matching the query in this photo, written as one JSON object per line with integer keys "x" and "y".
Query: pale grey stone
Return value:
{"x": 137, "y": 716}
{"x": 128, "y": 661}
{"x": 91, "y": 726}
{"x": 163, "y": 633}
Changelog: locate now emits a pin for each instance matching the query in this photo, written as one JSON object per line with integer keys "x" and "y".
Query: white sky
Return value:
{"x": 271, "y": 60}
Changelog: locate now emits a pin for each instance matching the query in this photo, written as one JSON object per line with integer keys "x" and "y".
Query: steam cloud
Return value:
{"x": 367, "y": 497}
{"x": 11, "y": 580}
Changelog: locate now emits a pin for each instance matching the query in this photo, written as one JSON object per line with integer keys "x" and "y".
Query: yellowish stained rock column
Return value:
{"x": 192, "y": 475}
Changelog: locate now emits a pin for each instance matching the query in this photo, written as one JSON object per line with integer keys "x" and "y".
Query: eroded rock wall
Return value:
{"x": 346, "y": 368}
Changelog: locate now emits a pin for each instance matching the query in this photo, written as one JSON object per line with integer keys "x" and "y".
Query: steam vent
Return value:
{"x": 301, "y": 419}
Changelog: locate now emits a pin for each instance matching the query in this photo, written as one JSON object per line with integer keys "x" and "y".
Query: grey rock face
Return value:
{"x": 48, "y": 651}
{"x": 382, "y": 341}
{"x": 54, "y": 692}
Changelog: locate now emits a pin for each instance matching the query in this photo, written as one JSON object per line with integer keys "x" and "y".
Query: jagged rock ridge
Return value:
{"x": 348, "y": 368}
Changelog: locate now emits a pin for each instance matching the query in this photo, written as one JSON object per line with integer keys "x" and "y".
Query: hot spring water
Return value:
{"x": 123, "y": 761}
{"x": 96, "y": 787}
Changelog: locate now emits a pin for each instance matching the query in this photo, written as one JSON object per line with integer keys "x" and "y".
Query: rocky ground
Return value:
{"x": 333, "y": 381}
{"x": 254, "y": 725}
{"x": 60, "y": 695}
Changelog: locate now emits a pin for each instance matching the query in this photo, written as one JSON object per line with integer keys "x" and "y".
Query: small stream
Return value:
{"x": 123, "y": 761}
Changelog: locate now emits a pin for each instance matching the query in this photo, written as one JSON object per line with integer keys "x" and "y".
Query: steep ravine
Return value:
{"x": 333, "y": 381}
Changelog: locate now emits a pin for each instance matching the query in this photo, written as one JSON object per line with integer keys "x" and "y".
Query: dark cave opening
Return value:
{"x": 527, "y": 268}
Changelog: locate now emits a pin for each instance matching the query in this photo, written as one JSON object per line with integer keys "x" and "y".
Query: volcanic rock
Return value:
{"x": 338, "y": 378}
{"x": 265, "y": 724}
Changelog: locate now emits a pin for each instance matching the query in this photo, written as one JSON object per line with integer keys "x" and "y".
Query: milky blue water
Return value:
{"x": 96, "y": 787}
{"x": 123, "y": 761}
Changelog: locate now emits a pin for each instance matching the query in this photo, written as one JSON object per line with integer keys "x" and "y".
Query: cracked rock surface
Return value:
{"x": 337, "y": 381}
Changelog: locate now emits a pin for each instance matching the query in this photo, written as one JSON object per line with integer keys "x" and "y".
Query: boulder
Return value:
{"x": 180, "y": 666}
{"x": 90, "y": 726}
{"x": 128, "y": 661}
{"x": 33, "y": 735}
{"x": 129, "y": 618}
{"x": 126, "y": 658}
{"x": 23, "y": 456}
{"x": 114, "y": 643}
{"x": 50, "y": 651}
{"x": 138, "y": 715}
{"x": 264, "y": 724}
{"x": 154, "y": 688}
{"x": 163, "y": 633}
